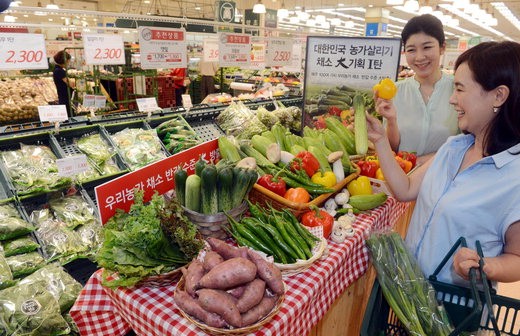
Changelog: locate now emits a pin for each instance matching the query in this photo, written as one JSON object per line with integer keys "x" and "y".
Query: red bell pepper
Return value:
{"x": 273, "y": 183}
{"x": 368, "y": 168}
{"x": 318, "y": 217}
{"x": 306, "y": 161}
{"x": 334, "y": 110}
{"x": 408, "y": 156}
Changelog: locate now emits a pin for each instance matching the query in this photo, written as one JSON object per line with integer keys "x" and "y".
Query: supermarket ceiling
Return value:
{"x": 487, "y": 18}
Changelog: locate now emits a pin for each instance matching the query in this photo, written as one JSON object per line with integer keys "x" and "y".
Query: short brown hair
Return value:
{"x": 61, "y": 56}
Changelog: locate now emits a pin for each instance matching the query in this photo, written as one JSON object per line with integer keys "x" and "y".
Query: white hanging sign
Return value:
{"x": 162, "y": 48}
{"x": 52, "y": 113}
{"x": 103, "y": 49}
{"x": 279, "y": 52}
{"x": 147, "y": 104}
{"x": 234, "y": 49}
{"x": 89, "y": 100}
{"x": 210, "y": 50}
{"x": 21, "y": 51}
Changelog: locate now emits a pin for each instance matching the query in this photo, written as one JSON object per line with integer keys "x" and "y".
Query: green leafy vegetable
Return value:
{"x": 25, "y": 264}
{"x": 139, "y": 147}
{"x": 20, "y": 246}
{"x": 30, "y": 309}
{"x": 73, "y": 210}
{"x": 95, "y": 148}
{"x": 6, "y": 277}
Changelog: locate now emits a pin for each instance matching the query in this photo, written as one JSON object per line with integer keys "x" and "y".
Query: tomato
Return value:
{"x": 317, "y": 217}
{"x": 297, "y": 195}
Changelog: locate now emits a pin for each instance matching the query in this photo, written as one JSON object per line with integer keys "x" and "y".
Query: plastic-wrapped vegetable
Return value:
{"x": 6, "y": 277}
{"x": 19, "y": 246}
{"x": 91, "y": 236}
{"x": 266, "y": 117}
{"x": 95, "y": 148}
{"x": 139, "y": 147}
{"x": 11, "y": 224}
{"x": 73, "y": 210}
{"x": 59, "y": 283}
{"x": 29, "y": 309}
{"x": 25, "y": 264}
{"x": 60, "y": 243}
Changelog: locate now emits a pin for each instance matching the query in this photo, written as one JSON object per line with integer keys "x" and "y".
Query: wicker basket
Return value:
{"x": 161, "y": 280}
{"x": 236, "y": 331}
{"x": 263, "y": 197}
{"x": 302, "y": 265}
{"x": 214, "y": 225}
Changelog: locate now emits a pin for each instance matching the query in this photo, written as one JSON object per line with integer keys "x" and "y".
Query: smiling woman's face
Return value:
{"x": 423, "y": 54}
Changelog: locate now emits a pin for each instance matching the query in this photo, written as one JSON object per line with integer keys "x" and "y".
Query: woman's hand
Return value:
{"x": 465, "y": 259}
{"x": 385, "y": 108}
{"x": 376, "y": 131}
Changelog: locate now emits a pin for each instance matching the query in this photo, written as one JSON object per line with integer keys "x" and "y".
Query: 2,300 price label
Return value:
{"x": 22, "y": 51}
{"x": 103, "y": 49}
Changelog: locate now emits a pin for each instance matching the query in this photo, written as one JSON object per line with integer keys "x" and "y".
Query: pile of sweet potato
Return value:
{"x": 232, "y": 287}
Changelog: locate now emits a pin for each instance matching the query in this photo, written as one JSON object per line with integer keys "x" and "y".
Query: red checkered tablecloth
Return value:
{"x": 152, "y": 311}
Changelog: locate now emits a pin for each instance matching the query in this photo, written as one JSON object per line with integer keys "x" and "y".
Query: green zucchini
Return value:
{"x": 180, "y": 178}
{"x": 228, "y": 150}
{"x": 193, "y": 193}
{"x": 241, "y": 180}
{"x": 360, "y": 125}
{"x": 208, "y": 190}
{"x": 345, "y": 135}
{"x": 199, "y": 166}
{"x": 225, "y": 189}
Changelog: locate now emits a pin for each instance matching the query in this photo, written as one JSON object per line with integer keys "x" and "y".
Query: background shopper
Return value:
{"x": 207, "y": 83}
{"x": 181, "y": 82}
{"x": 59, "y": 75}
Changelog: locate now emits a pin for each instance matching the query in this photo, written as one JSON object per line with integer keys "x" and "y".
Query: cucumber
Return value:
{"x": 345, "y": 135}
{"x": 225, "y": 189}
{"x": 208, "y": 190}
{"x": 360, "y": 125}
{"x": 367, "y": 202}
{"x": 180, "y": 178}
{"x": 241, "y": 179}
{"x": 227, "y": 149}
{"x": 199, "y": 166}
{"x": 193, "y": 193}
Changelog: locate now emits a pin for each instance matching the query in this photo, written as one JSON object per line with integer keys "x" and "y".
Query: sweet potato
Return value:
{"x": 211, "y": 259}
{"x": 192, "y": 307}
{"x": 238, "y": 291}
{"x": 230, "y": 273}
{"x": 192, "y": 276}
{"x": 259, "y": 311}
{"x": 252, "y": 296}
{"x": 225, "y": 250}
{"x": 221, "y": 303}
{"x": 268, "y": 272}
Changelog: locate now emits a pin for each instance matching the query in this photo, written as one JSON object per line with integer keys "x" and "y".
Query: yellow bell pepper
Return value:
{"x": 326, "y": 179}
{"x": 379, "y": 174}
{"x": 386, "y": 88}
{"x": 360, "y": 186}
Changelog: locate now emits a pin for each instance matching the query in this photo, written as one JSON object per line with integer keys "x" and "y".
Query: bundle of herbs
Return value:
{"x": 136, "y": 247}
{"x": 407, "y": 291}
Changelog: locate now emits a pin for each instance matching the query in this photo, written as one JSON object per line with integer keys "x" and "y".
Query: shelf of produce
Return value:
{"x": 310, "y": 294}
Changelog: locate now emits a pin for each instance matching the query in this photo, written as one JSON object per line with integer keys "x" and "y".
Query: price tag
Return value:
{"x": 53, "y": 113}
{"x": 186, "y": 101}
{"x": 234, "y": 49}
{"x": 89, "y": 100}
{"x": 147, "y": 104}
{"x": 279, "y": 52}
{"x": 72, "y": 165}
{"x": 19, "y": 51}
{"x": 100, "y": 101}
{"x": 210, "y": 52}
{"x": 100, "y": 49}
{"x": 162, "y": 48}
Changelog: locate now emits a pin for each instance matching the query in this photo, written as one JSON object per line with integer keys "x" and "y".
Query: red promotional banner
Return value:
{"x": 156, "y": 177}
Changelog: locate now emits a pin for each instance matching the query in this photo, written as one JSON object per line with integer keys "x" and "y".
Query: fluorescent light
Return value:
{"x": 411, "y": 5}
{"x": 52, "y": 6}
{"x": 303, "y": 15}
{"x": 259, "y": 8}
{"x": 10, "y": 18}
{"x": 320, "y": 18}
{"x": 282, "y": 13}
{"x": 335, "y": 21}
{"x": 394, "y": 2}
{"x": 506, "y": 12}
{"x": 425, "y": 10}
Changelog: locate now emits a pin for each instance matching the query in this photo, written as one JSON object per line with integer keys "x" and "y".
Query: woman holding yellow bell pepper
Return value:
{"x": 419, "y": 118}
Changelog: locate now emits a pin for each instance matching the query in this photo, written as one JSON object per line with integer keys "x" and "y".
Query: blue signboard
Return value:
{"x": 371, "y": 28}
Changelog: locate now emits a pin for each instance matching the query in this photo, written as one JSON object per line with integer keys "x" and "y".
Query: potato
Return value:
{"x": 230, "y": 273}
{"x": 192, "y": 276}
{"x": 211, "y": 259}
{"x": 221, "y": 303}
{"x": 225, "y": 250}
{"x": 253, "y": 294}
{"x": 256, "y": 313}
{"x": 268, "y": 272}
{"x": 192, "y": 307}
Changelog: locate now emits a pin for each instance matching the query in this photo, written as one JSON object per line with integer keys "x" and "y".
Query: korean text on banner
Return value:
{"x": 156, "y": 177}
{"x": 19, "y": 51}
{"x": 162, "y": 48}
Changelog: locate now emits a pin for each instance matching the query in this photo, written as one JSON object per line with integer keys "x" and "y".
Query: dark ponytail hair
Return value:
{"x": 61, "y": 57}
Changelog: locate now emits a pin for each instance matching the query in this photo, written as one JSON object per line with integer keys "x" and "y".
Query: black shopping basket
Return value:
{"x": 469, "y": 309}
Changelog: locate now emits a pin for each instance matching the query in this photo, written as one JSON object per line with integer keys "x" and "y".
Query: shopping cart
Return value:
{"x": 469, "y": 309}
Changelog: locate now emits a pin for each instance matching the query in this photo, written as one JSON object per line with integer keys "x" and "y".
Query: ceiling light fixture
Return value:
{"x": 425, "y": 10}
{"x": 394, "y": 2}
{"x": 259, "y": 8}
{"x": 52, "y": 5}
{"x": 282, "y": 12}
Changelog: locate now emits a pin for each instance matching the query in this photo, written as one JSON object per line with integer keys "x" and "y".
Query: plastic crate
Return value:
{"x": 67, "y": 142}
{"x": 464, "y": 306}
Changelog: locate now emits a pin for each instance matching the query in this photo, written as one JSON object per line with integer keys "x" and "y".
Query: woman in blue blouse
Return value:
{"x": 471, "y": 187}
